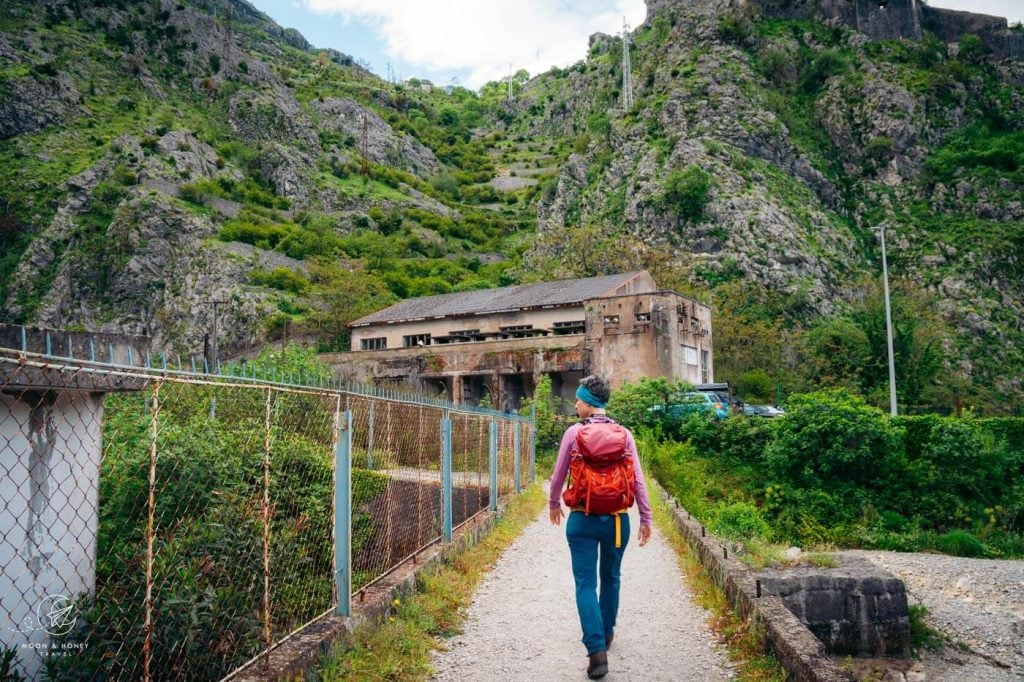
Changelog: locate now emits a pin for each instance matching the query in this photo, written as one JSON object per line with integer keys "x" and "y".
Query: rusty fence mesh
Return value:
{"x": 161, "y": 524}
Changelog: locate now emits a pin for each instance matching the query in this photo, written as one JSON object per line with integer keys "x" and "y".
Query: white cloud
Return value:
{"x": 483, "y": 36}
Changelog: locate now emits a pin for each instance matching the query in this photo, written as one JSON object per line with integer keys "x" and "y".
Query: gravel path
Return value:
{"x": 523, "y": 623}
{"x": 975, "y": 602}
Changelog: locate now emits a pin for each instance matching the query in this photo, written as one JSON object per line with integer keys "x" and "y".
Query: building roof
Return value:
{"x": 485, "y": 301}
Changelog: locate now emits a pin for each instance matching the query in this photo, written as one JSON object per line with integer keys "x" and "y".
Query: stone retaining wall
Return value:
{"x": 801, "y": 654}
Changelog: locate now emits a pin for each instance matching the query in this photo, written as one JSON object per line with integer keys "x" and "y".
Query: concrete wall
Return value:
{"x": 650, "y": 337}
{"x": 895, "y": 19}
{"x": 951, "y": 25}
{"x": 49, "y": 474}
{"x": 880, "y": 20}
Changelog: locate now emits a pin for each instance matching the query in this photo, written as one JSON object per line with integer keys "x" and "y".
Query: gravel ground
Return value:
{"x": 975, "y": 602}
{"x": 523, "y": 623}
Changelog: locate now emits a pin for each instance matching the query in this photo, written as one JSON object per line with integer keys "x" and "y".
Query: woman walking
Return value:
{"x": 599, "y": 456}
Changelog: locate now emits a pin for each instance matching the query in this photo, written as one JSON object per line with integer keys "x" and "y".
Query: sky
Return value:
{"x": 471, "y": 42}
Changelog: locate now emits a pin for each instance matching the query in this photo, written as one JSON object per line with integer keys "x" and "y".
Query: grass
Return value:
{"x": 922, "y": 635}
{"x": 399, "y": 649}
{"x": 758, "y": 554}
{"x": 744, "y": 639}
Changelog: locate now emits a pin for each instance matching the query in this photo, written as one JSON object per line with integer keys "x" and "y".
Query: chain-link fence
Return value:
{"x": 160, "y": 524}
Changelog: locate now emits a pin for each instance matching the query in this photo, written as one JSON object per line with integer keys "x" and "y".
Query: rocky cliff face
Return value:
{"x": 218, "y": 124}
{"x": 809, "y": 138}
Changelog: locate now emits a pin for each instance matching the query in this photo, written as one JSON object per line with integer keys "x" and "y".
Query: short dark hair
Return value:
{"x": 598, "y": 386}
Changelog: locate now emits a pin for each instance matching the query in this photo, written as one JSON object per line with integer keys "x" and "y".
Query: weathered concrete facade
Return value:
{"x": 51, "y": 422}
{"x": 632, "y": 332}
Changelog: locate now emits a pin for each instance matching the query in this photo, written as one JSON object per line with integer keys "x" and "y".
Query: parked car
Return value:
{"x": 733, "y": 403}
{"x": 762, "y": 411}
{"x": 693, "y": 403}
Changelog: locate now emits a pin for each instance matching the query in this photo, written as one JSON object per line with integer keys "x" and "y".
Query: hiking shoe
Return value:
{"x": 598, "y": 667}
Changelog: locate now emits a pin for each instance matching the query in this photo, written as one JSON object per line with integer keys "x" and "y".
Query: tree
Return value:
{"x": 918, "y": 336}
{"x": 686, "y": 192}
{"x": 835, "y": 353}
{"x": 341, "y": 296}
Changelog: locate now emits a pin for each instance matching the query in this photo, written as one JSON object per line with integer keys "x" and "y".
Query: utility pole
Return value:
{"x": 627, "y": 74}
{"x": 888, "y": 325}
{"x": 510, "y": 97}
{"x": 214, "y": 361}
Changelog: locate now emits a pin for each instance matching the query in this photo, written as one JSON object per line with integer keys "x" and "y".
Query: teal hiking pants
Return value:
{"x": 592, "y": 546}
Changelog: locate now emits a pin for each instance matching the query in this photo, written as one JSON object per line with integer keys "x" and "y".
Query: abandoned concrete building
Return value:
{"x": 494, "y": 345}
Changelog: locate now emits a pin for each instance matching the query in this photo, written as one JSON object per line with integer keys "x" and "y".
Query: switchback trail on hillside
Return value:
{"x": 522, "y": 624}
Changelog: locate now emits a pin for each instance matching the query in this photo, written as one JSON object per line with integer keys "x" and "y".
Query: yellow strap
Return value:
{"x": 618, "y": 532}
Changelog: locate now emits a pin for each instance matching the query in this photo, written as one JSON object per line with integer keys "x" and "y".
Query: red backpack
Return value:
{"x": 601, "y": 477}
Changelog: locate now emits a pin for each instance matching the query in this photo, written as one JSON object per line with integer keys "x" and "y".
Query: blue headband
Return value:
{"x": 584, "y": 394}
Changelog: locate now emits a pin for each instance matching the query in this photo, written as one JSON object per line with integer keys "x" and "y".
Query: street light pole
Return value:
{"x": 888, "y": 325}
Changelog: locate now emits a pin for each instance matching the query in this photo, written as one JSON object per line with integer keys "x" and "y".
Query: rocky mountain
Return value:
{"x": 159, "y": 155}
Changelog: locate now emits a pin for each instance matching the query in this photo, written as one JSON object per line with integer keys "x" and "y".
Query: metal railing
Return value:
{"x": 165, "y": 524}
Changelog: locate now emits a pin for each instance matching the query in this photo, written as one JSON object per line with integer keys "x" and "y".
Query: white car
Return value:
{"x": 762, "y": 411}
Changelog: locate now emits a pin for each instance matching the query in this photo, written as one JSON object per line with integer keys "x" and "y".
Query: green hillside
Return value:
{"x": 155, "y": 155}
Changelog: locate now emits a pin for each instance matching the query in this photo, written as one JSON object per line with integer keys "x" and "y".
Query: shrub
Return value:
{"x": 756, "y": 386}
{"x": 837, "y": 452}
{"x": 551, "y": 419}
{"x": 960, "y": 543}
{"x": 828, "y": 63}
{"x": 686, "y": 193}
{"x": 632, "y": 404}
{"x": 879, "y": 148}
{"x": 740, "y": 521}
{"x": 735, "y": 28}
{"x": 778, "y": 66}
{"x": 282, "y": 279}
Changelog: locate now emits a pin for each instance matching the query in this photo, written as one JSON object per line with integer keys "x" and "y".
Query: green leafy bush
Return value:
{"x": 686, "y": 192}
{"x": 961, "y": 543}
{"x": 837, "y": 471}
{"x": 283, "y": 279}
{"x": 836, "y": 452}
{"x": 740, "y": 521}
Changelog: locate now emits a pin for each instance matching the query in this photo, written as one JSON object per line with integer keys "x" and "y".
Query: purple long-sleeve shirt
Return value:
{"x": 643, "y": 503}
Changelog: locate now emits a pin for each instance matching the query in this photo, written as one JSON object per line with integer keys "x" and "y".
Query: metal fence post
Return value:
{"x": 533, "y": 443}
{"x": 266, "y": 528}
{"x": 147, "y": 644}
{"x": 517, "y": 470}
{"x": 343, "y": 514}
{"x": 494, "y": 465}
{"x": 446, "y": 475}
{"x": 369, "y": 436}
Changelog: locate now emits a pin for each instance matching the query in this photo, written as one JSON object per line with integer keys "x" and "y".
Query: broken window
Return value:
{"x": 569, "y": 327}
{"x": 376, "y": 343}
{"x": 412, "y": 340}
{"x": 463, "y": 335}
{"x": 643, "y": 318}
{"x": 517, "y": 331}
{"x": 611, "y": 319}
{"x": 690, "y": 355}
